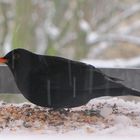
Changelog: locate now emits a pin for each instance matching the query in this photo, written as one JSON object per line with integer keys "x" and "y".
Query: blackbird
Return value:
{"x": 56, "y": 82}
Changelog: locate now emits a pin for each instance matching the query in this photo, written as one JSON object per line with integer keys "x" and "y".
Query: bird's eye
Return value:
{"x": 16, "y": 56}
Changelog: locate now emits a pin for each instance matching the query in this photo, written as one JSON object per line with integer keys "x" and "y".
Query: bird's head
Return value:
{"x": 17, "y": 59}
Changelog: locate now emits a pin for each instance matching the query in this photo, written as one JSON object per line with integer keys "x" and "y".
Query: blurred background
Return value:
{"x": 105, "y": 33}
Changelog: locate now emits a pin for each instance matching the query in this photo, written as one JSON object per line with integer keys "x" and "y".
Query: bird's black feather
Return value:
{"x": 57, "y": 82}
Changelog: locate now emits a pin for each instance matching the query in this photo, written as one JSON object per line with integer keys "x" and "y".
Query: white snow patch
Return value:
{"x": 91, "y": 37}
{"x": 84, "y": 25}
{"x": 52, "y": 30}
{"x": 106, "y": 111}
{"x": 122, "y": 121}
{"x": 63, "y": 137}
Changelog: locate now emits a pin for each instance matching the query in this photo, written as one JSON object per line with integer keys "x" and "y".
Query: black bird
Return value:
{"x": 56, "y": 82}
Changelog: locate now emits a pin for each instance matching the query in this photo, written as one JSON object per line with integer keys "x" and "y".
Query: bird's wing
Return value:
{"x": 114, "y": 79}
{"x": 67, "y": 75}
{"x": 110, "y": 77}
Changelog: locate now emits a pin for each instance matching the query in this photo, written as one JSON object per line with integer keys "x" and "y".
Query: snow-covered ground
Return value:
{"x": 118, "y": 119}
{"x": 64, "y": 137}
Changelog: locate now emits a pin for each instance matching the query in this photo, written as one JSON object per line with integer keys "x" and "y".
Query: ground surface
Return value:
{"x": 102, "y": 118}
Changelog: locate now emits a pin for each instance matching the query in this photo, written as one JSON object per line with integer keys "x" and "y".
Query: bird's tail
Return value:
{"x": 116, "y": 89}
{"x": 131, "y": 91}
{"x": 122, "y": 90}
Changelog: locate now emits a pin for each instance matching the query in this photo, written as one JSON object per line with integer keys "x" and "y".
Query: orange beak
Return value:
{"x": 3, "y": 60}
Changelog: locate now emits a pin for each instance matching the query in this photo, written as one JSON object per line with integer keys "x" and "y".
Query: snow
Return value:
{"x": 62, "y": 137}
{"x": 84, "y": 25}
{"x": 106, "y": 111}
{"x": 91, "y": 37}
{"x": 52, "y": 30}
{"x": 123, "y": 124}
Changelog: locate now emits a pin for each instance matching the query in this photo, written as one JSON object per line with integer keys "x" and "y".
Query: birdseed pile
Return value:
{"x": 95, "y": 116}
